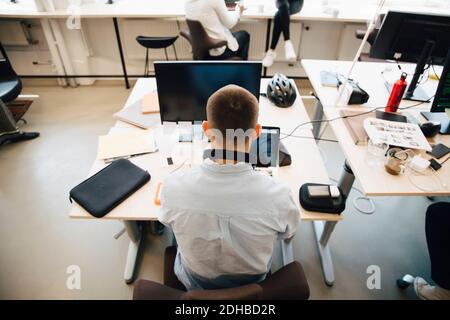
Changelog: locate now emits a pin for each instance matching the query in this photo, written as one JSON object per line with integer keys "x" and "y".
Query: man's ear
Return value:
{"x": 205, "y": 127}
{"x": 258, "y": 129}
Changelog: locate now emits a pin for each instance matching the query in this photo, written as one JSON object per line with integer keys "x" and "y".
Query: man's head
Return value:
{"x": 232, "y": 113}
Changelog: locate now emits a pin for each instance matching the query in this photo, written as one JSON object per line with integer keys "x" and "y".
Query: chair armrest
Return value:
{"x": 213, "y": 43}
{"x": 186, "y": 34}
{"x": 149, "y": 290}
{"x": 359, "y": 34}
{"x": 288, "y": 283}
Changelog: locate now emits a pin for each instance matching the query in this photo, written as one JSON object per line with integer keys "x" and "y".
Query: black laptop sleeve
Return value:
{"x": 106, "y": 189}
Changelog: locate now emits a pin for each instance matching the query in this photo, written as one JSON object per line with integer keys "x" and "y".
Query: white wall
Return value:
{"x": 95, "y": 51}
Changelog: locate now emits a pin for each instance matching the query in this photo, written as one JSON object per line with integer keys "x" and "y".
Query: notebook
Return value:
{"x": 133, "y": 115}
{"x": 109, "y": 187}
{"x": 150, "y": 103}
{"x": 115, "y": 145}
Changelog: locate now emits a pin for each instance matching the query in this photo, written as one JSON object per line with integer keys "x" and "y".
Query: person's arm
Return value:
{"x": 228, "y": 18}
{"x": 289, "y": 217}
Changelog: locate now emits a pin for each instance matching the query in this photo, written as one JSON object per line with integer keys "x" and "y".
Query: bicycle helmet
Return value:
{"x": 281, "y": 91}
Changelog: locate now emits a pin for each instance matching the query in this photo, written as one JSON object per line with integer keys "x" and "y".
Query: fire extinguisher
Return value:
{"x": 398, "y": 89}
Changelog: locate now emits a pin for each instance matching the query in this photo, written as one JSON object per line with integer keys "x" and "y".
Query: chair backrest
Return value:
{"x": 247, "y": 292}
{"x": 200, "y": 42}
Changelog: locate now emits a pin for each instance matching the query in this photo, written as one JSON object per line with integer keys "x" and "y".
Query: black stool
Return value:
{"x": 156, "y": 43}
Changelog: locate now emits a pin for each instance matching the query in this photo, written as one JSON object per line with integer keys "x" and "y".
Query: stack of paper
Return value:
{"x": 406, "y": 135}
{"x": 125, "y": 144}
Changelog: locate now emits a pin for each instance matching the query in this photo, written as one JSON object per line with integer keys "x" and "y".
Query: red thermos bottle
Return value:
{"x": 398, "y": 89}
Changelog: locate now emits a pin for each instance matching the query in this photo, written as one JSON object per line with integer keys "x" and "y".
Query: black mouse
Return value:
{"x": 430, "y": 128}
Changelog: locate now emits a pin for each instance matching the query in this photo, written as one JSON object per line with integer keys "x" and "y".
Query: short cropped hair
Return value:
{"x": 232, "y": 107}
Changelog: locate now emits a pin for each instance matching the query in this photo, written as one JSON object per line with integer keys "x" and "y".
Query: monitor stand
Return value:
{"x": 440, "y": 117}
{"x": 419, "y": 94}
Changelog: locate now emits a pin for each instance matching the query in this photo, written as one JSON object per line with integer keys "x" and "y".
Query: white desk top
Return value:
{"x": 368, "y": 75}
{"x": 375, "y": 181}
{"x": 307, "y": 162}
{"x": 160, "y": 9}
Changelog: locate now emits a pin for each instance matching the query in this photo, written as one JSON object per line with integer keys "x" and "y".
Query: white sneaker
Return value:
{"x": 269, "y": 58}
{"x": 427, "y": 292}
{"x": 289, "y": 51}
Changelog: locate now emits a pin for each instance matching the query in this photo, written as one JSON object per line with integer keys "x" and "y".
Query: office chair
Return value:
{"x": 288, "y": 283}
{"x": 10, "y": 88}
{"x": 200, "y": 41}
{"x": 10, "y": 84}
{"x": 156, "y": 43}
{"x": 360, "y": 33}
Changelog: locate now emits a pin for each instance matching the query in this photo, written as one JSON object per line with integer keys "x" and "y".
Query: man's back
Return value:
{"x": 226, "y": 219}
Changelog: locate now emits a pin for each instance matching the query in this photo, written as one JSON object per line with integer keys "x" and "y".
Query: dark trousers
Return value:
{"x": 243, "y": 39}
{"x": 282, "y": 19}
{"x": 437, "y": 229}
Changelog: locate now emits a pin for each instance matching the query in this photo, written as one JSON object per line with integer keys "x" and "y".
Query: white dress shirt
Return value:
{"x": 226, "y": 220}
{"x": 216, "y": 19}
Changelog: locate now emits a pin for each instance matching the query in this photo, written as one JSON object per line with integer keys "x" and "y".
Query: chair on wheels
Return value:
{"x": 360, "y": 33}
{"x": 10, "y": 84}
{"x": 288, "y": 283}
{"x": 10, "y": 88}
{"x": 156, "y": 43}
{"x": 200, "y": 41}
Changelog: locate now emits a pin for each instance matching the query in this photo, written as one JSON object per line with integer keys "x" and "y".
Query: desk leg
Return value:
{"x": 318, "y": 115}
{"x": 135, "y": 233}
{"x": 287, "y": 251}
{"x": 122, "y": 59}
{"x": 269, "y": 26}
{"x": 323, "y": 232}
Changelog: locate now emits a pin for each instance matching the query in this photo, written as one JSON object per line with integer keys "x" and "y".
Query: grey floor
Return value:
{"x": 38, "y": 242}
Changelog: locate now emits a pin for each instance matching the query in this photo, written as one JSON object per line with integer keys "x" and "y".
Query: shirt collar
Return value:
{"x": 226, "y": 168}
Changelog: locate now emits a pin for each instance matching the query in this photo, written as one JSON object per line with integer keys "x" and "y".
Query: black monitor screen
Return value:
{"x": 413, "y": 33}
{"x": 406, "y": 34}
{"x": 184, "y": 87}
{"x": 442, "y": 98}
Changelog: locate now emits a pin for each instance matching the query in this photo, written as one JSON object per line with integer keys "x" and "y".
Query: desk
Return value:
{"x": 374, "y": 181}
{"x": 307, "y": 166}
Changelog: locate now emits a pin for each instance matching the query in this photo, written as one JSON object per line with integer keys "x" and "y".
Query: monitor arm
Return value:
{"x": 411, "y": 92}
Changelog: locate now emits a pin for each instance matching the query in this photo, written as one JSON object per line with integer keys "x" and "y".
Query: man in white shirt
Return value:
{"x": 225, "y": 216}
{"x": 217, "y": 21}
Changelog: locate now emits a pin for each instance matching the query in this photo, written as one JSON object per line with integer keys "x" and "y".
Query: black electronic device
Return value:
{"x": 439, "y": 150}
{"x": 441, "y": 103}
{"x": 185, "y": 86}
{"x": 413, "y": 37}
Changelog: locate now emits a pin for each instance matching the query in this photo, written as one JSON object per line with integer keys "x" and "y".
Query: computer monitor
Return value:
{"x": 440, "y": 108}
{"x": 185, "y": 86}
{"x": 412, "y": 37}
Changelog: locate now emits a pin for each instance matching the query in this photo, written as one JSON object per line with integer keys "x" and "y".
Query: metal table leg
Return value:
{"x": 318, "y": 115}
{"x": 287, "y": 251}
{"x": 269, "y": 26}
{"x": 122, "y": 59}
{"x": 323, "y": 230}
{"x": 135, "y": 233}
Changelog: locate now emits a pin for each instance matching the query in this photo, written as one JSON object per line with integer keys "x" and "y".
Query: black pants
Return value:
{"x": 282, "y": 19}
{"x": 437, "y": 229}
{"x": 243, "y": 39}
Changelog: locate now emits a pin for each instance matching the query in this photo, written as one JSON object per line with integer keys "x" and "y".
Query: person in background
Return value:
{"x": 226, "y": 217}
{"x": 217, "y": 20}
{"x": 286, "y": 8}
{"x": 437, "y": 227}
{"x": 9, "y": 132}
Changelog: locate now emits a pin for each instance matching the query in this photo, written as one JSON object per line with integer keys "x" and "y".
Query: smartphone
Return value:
{"x": 439, "y": 150}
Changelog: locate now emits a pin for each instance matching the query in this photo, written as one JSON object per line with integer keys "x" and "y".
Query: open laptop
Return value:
{"x": 266, "y": 150}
